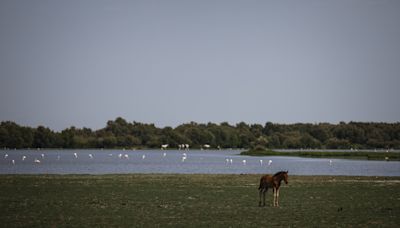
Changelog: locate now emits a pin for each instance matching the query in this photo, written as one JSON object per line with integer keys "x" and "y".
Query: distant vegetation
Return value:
{"x": 122, "y": 134}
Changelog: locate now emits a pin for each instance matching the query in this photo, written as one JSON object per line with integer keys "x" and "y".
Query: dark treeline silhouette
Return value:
{"x": 121, "y": 134}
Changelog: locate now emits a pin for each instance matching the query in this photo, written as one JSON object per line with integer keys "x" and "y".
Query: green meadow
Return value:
{"x": 150, "y": 200}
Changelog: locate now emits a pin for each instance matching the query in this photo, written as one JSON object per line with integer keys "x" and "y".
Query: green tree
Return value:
{"x": 44, "y": 138}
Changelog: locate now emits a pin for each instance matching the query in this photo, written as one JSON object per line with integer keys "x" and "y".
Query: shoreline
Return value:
{"x": 110, "y": 175}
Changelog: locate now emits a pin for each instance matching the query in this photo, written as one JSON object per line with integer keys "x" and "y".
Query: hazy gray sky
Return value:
{"x": 83, "y": 62}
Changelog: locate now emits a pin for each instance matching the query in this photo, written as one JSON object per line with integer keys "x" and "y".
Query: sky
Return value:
{"x": 83, "y": 62}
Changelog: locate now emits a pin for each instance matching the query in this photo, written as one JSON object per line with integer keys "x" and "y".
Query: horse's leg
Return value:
{"x": 277, "y": 197}
{"x": 262, "y": 194}
{"x": 259, "y": 193}
{"x": 265, "y": 190}
{"x": 274, "y": 192}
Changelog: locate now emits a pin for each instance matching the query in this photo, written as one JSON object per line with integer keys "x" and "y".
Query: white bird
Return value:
{"x": 261, "y": 162}
{"x": 5, "y": 156}
{"x": 90, "y": 156}
{"x": 269, "y": 162}
{"x": 184, "y": 155}
{"x": 164, "y": 146}
{"x": 183, "y": 159}
{"x": 120, "y": 155}
{"x": 143, "y": 156}
{"x": 23, "y": 158}
{"x": 227, "y": 161}
{"x": 36, "y": 160}
{"x": 42, "y": 155}
{"x": 231, "y": 161}
{"x": 13, "y": 162}
{"x": 76, "y": 155}
{"x": 126, "y": 156}
{"x": 330, "y": 162}
{"x": 244, "y": 162}
{"x": 187, "y": 146}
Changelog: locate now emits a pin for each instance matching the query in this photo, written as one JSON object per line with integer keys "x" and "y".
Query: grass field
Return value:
{"x": 195, "y": 201}
{"x": 391, "y": 156}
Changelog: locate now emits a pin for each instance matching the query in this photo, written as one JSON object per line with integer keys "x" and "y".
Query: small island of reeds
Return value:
{"x": 367, "y": 155}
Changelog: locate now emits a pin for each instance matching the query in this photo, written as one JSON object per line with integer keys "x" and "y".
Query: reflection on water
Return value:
{"x": 180, "y": 161}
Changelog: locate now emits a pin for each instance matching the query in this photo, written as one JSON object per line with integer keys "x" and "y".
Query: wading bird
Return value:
{"x": 164, "y": 146}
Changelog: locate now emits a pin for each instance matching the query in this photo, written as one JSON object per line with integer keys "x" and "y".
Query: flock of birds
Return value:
{"x": 228, "y": 161}
{"x": 39, "y": 159}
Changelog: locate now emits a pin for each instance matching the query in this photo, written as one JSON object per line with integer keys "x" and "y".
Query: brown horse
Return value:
{"x": 268, "y": 181}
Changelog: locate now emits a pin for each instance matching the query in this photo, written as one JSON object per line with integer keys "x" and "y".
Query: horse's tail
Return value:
{"x": 261, "y": 184}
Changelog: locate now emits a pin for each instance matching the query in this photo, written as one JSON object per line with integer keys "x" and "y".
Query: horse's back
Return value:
{"x": 265, "y": 181}
{"x": 266, "y": 177}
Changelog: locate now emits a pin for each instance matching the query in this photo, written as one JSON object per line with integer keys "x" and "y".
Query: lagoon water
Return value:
{"x": 197, "y": 161}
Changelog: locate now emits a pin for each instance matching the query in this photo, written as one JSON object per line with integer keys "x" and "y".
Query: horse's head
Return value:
{"x": 285, "y": 177}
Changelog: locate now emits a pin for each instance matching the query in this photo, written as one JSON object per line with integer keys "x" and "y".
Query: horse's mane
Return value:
{"x": 279, "y": 173}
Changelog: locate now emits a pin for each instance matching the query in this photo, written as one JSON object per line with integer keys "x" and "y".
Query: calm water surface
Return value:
{"x": 173, "y": 161}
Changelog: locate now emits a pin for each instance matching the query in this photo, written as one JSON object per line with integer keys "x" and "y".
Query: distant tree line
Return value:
{"x": 119, "y": 133}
